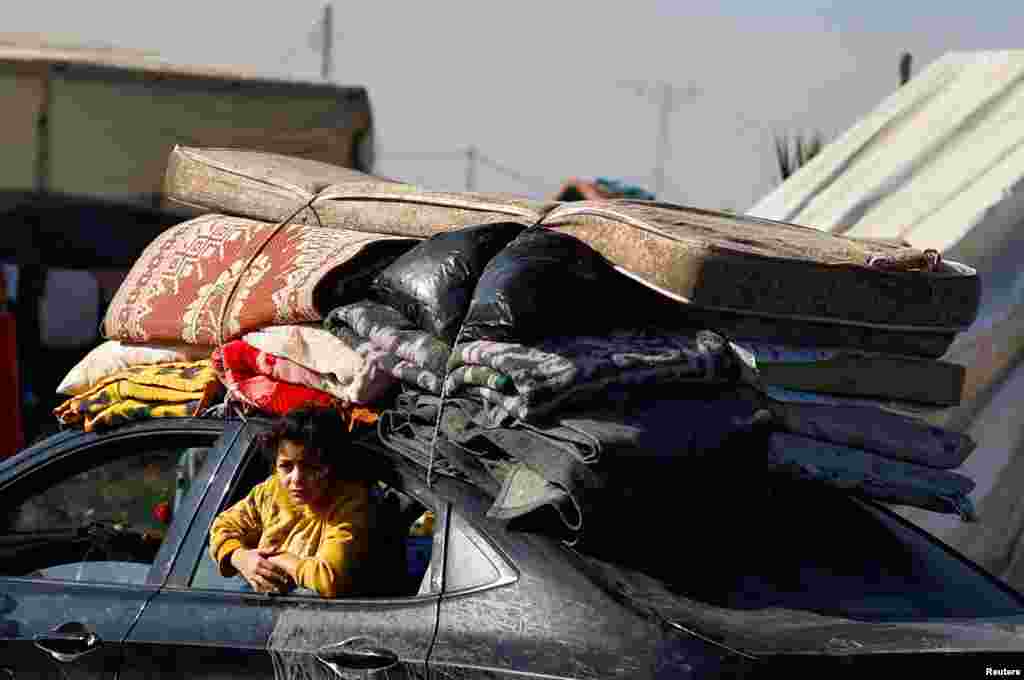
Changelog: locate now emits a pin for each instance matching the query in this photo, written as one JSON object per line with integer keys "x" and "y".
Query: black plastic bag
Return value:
{"x": 544, "y": 283}
{"x": 351, "y": 282}
{"x": 433, "y": 283}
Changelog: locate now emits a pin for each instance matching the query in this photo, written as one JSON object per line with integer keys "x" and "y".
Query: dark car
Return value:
{"x": 104, "y": 572}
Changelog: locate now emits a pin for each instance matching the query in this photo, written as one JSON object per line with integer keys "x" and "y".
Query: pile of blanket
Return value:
{"x": 160, "y": 390}
{"x": 515, "y": 356}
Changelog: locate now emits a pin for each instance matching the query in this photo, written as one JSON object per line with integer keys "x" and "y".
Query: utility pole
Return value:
{"x": 662, "y": 94}
{"x": 327, "y": 45}
{"x": 471, "y": 158}
{"x": 662, "y": 150}
{"x": 906, "y": 61}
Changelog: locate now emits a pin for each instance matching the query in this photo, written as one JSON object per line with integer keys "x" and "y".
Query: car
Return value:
{"x": 104, "y": 573}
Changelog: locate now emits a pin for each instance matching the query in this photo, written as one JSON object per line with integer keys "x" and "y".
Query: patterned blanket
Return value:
{"x": 384, "y": 337}
{"x": 194, "y": 276}
{"x": 531, "y": 382}
{"x": 260, "y": 382}
{"x": 175, "y": 389}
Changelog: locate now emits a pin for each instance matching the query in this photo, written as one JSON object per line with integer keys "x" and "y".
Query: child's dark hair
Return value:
{"x": 322, "y": 432}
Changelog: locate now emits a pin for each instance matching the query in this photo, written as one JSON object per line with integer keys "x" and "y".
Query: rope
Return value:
{"x": 308, "y": 205}
{"x": 440, "y": 409}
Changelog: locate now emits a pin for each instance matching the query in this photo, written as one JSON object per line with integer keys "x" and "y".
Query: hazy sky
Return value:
{"x": 534, "y": 84}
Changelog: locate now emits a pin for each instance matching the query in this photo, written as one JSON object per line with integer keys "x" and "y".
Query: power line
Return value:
{"x": 288, "y": 56}
{"x": 535, "y": 183}
{"x": 423, "y": 156}
{"x": 472, "y": 156}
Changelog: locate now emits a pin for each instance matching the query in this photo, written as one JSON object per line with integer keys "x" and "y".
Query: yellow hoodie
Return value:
{"x": 330, "y": 544}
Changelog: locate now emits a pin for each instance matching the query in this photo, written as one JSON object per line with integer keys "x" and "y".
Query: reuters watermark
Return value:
{"x": 1001, "y": 672}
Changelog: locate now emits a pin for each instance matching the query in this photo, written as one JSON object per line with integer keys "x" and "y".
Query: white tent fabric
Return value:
{"x": 940, "y": 164}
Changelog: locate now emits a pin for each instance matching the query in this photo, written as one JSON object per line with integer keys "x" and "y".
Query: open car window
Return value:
{"x": 99, "y": 514}
{"x": 406, "y": 532}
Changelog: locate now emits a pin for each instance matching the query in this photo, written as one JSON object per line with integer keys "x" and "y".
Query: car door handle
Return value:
{"x": 342, "y": 657}
{"x": 68, "y": 642}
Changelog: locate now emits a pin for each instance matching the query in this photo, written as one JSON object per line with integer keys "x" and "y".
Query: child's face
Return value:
{"x": 301, "y": 473}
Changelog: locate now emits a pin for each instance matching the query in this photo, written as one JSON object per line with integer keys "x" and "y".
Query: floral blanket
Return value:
{"x": 218, "y": 275}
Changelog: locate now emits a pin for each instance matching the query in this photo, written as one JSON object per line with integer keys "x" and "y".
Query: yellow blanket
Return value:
{"x": 153, "y": 391}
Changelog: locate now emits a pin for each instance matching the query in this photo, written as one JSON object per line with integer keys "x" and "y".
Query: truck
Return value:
{"x": 86, "y": 134}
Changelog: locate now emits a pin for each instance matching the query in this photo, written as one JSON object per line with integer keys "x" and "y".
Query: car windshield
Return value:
{"x": 748, "y": 541}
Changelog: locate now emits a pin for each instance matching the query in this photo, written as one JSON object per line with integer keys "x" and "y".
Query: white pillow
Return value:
{"x": 113, "y": 356}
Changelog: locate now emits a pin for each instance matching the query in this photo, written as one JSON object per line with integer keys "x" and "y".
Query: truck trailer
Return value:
{"x": 86, "y": 134}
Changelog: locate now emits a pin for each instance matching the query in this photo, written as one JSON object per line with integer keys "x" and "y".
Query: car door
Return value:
{"x": 518, "y": 603}
{"x": 202, "y": 624}
{"x": 84, "y": 541}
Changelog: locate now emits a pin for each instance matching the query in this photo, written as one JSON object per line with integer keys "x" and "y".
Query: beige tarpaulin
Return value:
{"x": 940, "y": 163}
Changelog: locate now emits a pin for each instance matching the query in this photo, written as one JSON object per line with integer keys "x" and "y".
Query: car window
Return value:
{"x": 99, "y": 514}
{"x": 471, "y": 562}
{"x": 749, "y": 542}
{"x": 405, "y": 535}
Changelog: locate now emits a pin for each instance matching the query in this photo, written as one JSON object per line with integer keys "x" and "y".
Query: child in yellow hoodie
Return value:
{"x": 306, "y": 526}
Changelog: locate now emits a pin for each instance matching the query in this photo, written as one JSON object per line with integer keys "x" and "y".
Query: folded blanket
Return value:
{"x": 112, "y": 356}
{"x": 860, "y": 472}
{"x": 218, "y": 277}
{"x": 241, "y": 353}
{"x": 517, "y": 488}
{"x": 626, "y": 440}
{"x": 384, "y": 337}
{"x": 556, "y": 371}
{"x": 239, "y": 369}
{"x": 318, "y": 350}
{"x": 888, "y": 434}
{"x": 157, "y": 390}
{"x": 387, "y": 329}
{"x": 480, "y": 376}
{"x": 132, "y": 410}
{"x": 257, "y": 380}
{"x": 400, "y": 369}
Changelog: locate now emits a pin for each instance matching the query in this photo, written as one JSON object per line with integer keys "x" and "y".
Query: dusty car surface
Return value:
{"x": 104, "y": 573}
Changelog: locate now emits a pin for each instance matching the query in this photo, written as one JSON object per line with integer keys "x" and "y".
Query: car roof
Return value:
{"x": 451, "y": 490}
